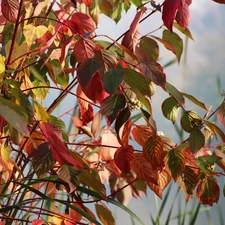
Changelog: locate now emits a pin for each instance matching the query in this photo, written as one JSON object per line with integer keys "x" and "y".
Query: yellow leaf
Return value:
{"x": 104, "y": 214}
{"x": 32, "y": 33}
{"x": 2, "y": 65}
{"x": 5, "y": 152}
{"x": 41, "y": 112}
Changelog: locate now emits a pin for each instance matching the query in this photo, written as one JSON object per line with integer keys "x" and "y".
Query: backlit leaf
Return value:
{"x": 183, "y": 14}
{"x": 154, "y": 71}
{"x": 96, "y": 122}
{"x": 170, "y": 8}
{"x": 5, "y": 152}
{"x": 37, "y": 222}
{"x": 221, "y": 113}
{"x": 175, "y": 41}
{"x": 189, "y": 120}
{"x": 194, "y": 100}
{"x": 126, "y": 133}
{"x": 208, "y": 191}
{"x": 84, "y": 49}
{"x": 123, "y": 157}
{"x": 196, "y": 140}
{"x": 14, "y": 115}
{"x": 153, "y": 151}
{"x": 136, "y": 81}
{"x": 184, "y": 31}
{"x": 70, "y": 174}
{"x": 32, "y": 33}
{"x": 87, "y": 69}
{"x": 150, "y": 48}
{"x": 175, "y": 162}
{"x": 164, "y": 179}
{"x": 175, "y": 93}
{"x": 111, "y": 106}
{"x": 170, "y": 109}
{"x": 144, "y": 169}
{"x": 43, "y": 161}
{"x": 2, "y": 65}
{"x": 41, "y": 112}
{"x": 10, "y": 9}
{"x": 104, "y": 214}
{"x": 112, "y": 79}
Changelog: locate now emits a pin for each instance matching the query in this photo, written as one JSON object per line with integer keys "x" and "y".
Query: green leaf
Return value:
{"x": 189, "y": 120}
{"x": 137, "y": 81}
{"x": 88, "y": 179}
{"x": 40, "y": 92}
{"x": 70, "y": 174}
{"x": 194, "y": 100}
{"x": 196, "y": 140}
{"x": 111, "y": 105}
{"x": 43, "y": 161}
{"x": 112, "y": 79}
{"x": 150, "y": 48}
{"x": 183, "y": 30}
{"x": 175, "y": 162}
{"x": 175, "y": 93}
{"x": 170, "y": 109}
{"x": 87, "y": 69}
{"x": 41, "y": 112}
{"x": 37, "y": 75}
{"x": 14, "y": 115}
{"x": 104, "y": 214}
{"x": 175, "y": 41}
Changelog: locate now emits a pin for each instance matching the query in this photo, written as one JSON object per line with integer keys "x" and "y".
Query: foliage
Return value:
{"x": 52, "y": 45}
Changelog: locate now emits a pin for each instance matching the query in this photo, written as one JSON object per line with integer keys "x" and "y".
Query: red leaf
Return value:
{"x": 84, "y": 49}
{"x": 143, "y": 169}
{"x": 126, "y": 133}
{"x": 10, "y": 9}
{"x": 208, "y": 191}
{"x": 163, "y": 180}
{"x": 37, "y": 222}
{"x": 87, "y": 2}
{"x": 131, "y": 37}
{"x": 82, "y": 24}
{"x": 87, "y": 115}
{"x": 59, "y": 150}
{"x": 183, "y": 14}
{"x": 220, "y": 1}
{"x": 123, "y": 157}
{"x": 170, "y": 8}
{"x": 65, "y": 49}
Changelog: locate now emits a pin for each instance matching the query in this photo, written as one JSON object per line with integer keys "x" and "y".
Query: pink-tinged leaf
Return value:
{"x": 144, "y": 169}
{"x": 82, "y": 99}
{"x": 111, "y": 106}
{"x": 109, "y": 145}
{"x": 170, "y": 8}
{"x": 10, "y": 9}
{"x": 84, "y": 49}
{"x": 141, "y": 133}
{"x": 183, "y": 14}
{"x": 82, "y": 24}
{"x": 208, "y": 191}
{"x": 123, "y": 157}
{"x": 65, "y": 49}
{"x": 37, "y": 222}
{"x": 131, "y": 37}
{"x": 221, "y": 113}
{"x": 164, "y": 179}
{"x": 126, "y": 133}
{"x": 87, "y": 2}
{"x": 154, "y": 71}
{"x": 87, "y": 70}
{"x": 220, "y": 1}
{"x": 96, "y": 122}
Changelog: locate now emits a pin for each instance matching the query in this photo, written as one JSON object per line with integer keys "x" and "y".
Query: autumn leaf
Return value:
{"x": 220, "y": 1}
{"x": 144, "y": 169}
{"x": 9, "y": 9}
{"x": 208, "y": 191}
{"x": 131, "y": 37}
{"x": 104, "y": 214}
{"x": 221, "y": 113}
{"x": 123, "y": 157}
{"x": 170, "y": 8}
{"x": 37, "y": 222}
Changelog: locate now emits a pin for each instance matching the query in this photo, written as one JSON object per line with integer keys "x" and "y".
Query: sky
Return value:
{"x": 205, "y": 63}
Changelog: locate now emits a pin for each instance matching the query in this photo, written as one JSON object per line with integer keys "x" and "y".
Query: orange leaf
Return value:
{"x": 126, "y": 133}
{"x": 153, "y": 151}
{"x": 143, "y": 169}
{"x": 123, "y": 157}
{"x": 208, "y": 191}
{"x": 131, "y": 37}
{"x": 37, "y": 222}
{"x": 74, "y": 214}
{"x": 164, "y": 179}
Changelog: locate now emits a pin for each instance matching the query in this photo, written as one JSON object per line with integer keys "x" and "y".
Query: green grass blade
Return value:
{"x": 192, "y": 222}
